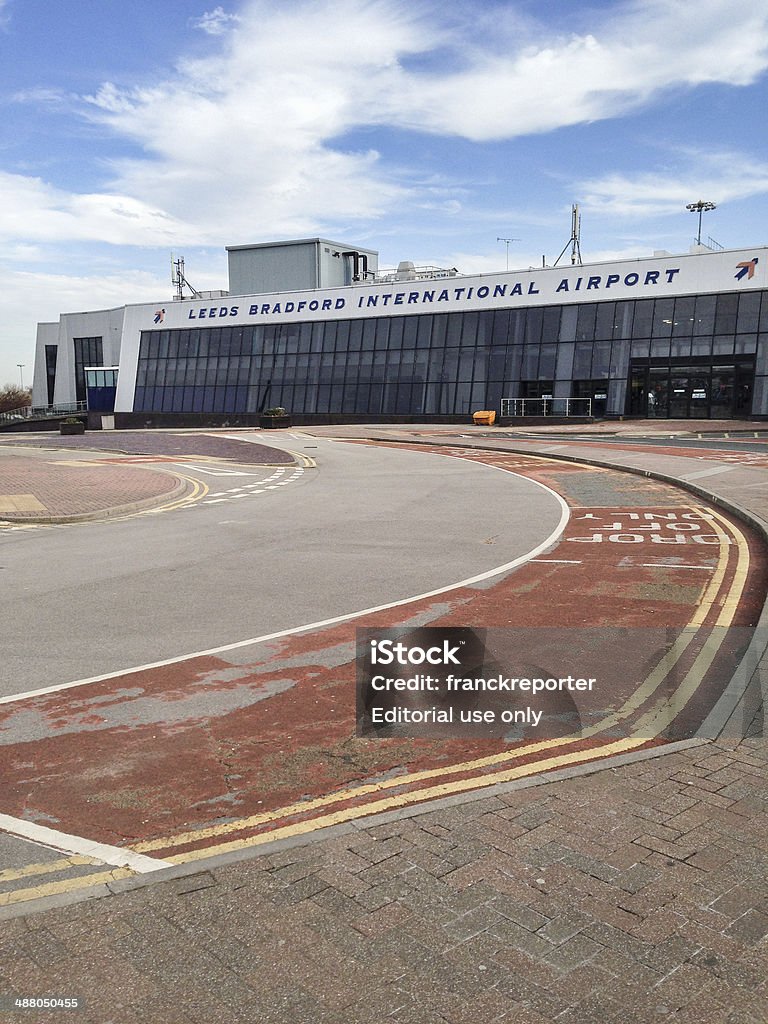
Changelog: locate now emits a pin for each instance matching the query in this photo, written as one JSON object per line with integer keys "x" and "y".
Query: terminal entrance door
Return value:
{"x": 101, "y": 388}
{"x": 689, "y": 391}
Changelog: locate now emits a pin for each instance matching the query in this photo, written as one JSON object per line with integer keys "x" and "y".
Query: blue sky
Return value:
{"x": 422, "y": 129}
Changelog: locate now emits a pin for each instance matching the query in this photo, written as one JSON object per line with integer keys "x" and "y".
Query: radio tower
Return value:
{"x": 179, "y": 280}
{"x": 574, "y": 240}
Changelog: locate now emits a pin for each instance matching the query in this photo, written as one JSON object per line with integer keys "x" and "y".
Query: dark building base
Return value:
{"x": 32, "y": 426}
{"x": 136, "y": 420}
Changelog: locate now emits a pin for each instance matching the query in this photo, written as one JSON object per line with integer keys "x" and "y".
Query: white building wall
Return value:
{"x": 47, "y": 334}
{"x": 106, "y": 324}
{"x": 302, "y": 263}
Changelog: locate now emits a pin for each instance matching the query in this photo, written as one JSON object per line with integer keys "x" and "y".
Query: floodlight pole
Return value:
{"x": 701, "y": 206}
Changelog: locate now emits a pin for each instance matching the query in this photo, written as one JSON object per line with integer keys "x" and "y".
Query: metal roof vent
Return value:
{"x": 406, "y": 271}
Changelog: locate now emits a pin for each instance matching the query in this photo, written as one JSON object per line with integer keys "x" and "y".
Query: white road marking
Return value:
{"x": 66, "y": 843}
{"x": 212, "y": 472}
{"x": 701, "y": 473}
{"x": 557, "y": 561}
{"x": 499, "y": 570}
{"x": 245, "y": 490}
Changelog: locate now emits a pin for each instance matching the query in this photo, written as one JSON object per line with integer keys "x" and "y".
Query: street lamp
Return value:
{"x": 700, "y": 207}
{"x": 21, "y": 373}
{"x": 507, "y": 241}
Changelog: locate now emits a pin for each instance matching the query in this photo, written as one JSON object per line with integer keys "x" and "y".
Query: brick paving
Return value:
{"x": 635, "y": 893}
{"x": 41, "y": 489}
{"x": 552, "y": 902}
{"x": 37, "y": 488}
{"x": 161, "y": 442}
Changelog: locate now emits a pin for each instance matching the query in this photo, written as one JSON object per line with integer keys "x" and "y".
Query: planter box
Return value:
{"x": 71, "y": 428}
{"x": 270, "y": 422}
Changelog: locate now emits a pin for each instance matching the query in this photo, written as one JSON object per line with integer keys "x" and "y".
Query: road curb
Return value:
{"x": 267, "y": 849}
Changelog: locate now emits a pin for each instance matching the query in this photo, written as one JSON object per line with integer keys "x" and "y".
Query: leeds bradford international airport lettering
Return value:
{"x": 429, "y": 296}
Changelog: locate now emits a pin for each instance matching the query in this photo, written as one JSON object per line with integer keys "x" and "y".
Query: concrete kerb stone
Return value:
{"x": 66, "y": 899}
{"x": 361, "y": 825}
{"x": 736, "y": 694}
{"x": 182, "y": 487}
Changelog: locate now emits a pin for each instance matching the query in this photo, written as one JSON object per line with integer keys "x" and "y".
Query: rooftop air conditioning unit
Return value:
{"x": 406, "y": 271}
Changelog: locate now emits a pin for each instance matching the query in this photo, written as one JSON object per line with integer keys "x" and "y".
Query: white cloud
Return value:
{"x": 252, "y": 142}
{"x": 640, "y": 51}
{"x": 37, "y": 212}
{"x": 42, "y": 96}
{"x": 215, "y": 22}
{"x": 255, "y": 128}
{"x": 715, "y": 177}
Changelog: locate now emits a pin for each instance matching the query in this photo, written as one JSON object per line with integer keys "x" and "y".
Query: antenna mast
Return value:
{"x": 179, "y": 281}
{"x": 574, "y": 241}
{"x": 507, "y": 241}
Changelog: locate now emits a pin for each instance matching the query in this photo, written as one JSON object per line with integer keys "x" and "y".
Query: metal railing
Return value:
{"x": 426, "y": 273}
{"x": 546, "y": 407}
{"x": 42, "y": 412}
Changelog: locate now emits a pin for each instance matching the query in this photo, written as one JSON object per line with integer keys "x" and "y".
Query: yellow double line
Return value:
{"x": 656, "y": 718}
{"x": 199, "y": 490}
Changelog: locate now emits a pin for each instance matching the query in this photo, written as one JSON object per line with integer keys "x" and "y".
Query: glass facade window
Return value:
{"x": 694, "y": 389}
{"x": 454, "y": 363}
{"x": 704, "y": 314}
{"x": 643, "y": 318}
{"x": 88, "y": 352}
{"x": 663, "y": 318}
{"x": 51, "y": 357}
{"x": 725, "y": 314}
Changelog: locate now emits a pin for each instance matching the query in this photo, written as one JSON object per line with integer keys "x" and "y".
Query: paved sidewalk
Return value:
{"x": 630, "y": 895}
{"x": 600, "y": 428}
{"x": 46, "y": 478}
{"x": 46, "y": 489}
{"x": 634, "y": 894}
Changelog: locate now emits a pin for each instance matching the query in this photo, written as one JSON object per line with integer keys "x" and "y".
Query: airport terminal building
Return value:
{"x": 312, "y": 326}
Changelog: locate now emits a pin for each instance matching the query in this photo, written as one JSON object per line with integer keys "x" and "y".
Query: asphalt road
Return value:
{"x": 369, "y": 526}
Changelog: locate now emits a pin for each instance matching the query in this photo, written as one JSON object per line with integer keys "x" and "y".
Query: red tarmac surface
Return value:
{"x": 205, "y": 755}
{"x": 634, "y": 894}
